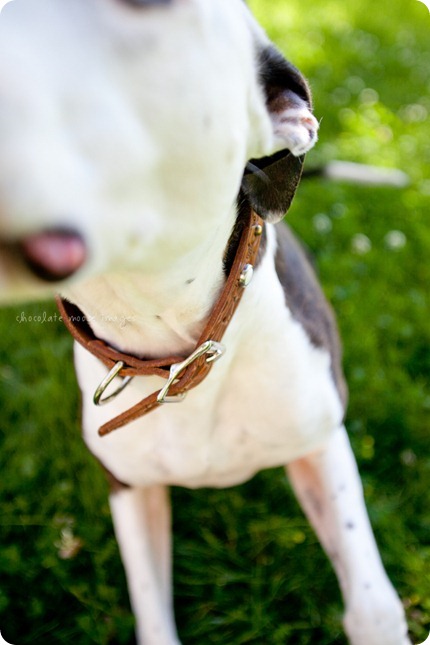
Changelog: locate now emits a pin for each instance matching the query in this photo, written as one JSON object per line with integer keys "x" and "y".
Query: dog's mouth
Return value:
{"x": 54, "y": 254}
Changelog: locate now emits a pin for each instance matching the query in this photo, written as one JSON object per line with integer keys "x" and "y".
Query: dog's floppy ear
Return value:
{"x": 270, "y": 183}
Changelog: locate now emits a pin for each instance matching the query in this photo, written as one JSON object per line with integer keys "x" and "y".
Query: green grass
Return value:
{"x": 247, "y": 567}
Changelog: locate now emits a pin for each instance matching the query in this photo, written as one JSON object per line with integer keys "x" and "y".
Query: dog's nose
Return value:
{"x": 54, "y": 254}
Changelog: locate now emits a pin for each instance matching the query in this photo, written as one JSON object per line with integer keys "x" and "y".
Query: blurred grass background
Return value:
{"x": 247, "y": 567}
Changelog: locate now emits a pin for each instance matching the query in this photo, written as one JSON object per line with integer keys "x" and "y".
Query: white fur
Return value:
{"x": 241, "y": 418}
{"x": 134, "y": 128}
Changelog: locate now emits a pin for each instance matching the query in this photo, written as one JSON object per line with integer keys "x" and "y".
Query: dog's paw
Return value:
{"x": 376, "y": 620}
{"x": 297, "y": 128}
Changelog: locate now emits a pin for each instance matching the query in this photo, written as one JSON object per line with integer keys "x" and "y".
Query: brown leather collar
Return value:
{"x": 183, "y": 374}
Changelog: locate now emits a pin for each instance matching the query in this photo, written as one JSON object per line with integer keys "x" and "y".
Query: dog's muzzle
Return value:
{"x": 54, "y": 254}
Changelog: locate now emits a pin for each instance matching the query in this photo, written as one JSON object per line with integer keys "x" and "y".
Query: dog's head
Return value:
{"x": 125, "y": 128}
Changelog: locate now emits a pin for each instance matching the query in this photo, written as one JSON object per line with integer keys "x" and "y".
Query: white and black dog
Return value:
{"x": 137, "y": 139}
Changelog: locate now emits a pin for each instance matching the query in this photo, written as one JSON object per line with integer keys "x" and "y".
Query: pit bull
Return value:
{"x": 147, "y": 150}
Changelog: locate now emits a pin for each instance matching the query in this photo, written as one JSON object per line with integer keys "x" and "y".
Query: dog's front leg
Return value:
{"x": 329, "y": 488}
{"x": 141, "y": 518}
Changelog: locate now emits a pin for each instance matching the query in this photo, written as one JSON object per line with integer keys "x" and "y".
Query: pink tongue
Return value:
{"x": 54, "y": 254}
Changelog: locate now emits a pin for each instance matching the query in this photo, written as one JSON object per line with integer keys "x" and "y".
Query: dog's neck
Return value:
{"x": 157, "y": 312}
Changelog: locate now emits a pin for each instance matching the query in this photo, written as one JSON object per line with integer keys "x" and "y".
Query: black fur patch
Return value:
{"x": 277, "y": 75}
{"x": 307, "y": 303}
{"x": 270, "y": 183}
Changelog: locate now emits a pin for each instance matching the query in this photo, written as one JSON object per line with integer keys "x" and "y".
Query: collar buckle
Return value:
{"x": 211, "y": 347}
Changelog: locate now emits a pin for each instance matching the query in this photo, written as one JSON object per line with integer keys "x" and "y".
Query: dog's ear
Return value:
{"x": 278, "y": 75}
{"x": 270, "y": 183}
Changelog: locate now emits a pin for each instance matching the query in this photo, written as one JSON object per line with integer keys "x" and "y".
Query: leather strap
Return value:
{"x": 214, "y": 329}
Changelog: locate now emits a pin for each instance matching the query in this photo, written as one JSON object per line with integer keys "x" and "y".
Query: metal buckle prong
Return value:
{"x": 211, "y": 347}
{"x": 98, "y": 394}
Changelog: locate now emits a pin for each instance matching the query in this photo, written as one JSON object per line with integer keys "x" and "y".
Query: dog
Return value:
{"x": 147, "y": 150}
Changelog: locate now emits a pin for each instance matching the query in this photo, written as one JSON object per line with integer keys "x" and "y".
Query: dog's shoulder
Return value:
{"x": 306, "y": 301}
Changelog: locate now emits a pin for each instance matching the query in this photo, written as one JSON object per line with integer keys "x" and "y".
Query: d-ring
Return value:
{"x": 98, "y": 394}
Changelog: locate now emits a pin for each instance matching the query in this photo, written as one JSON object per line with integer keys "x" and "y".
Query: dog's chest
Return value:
{"x": 269, "y": 400}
